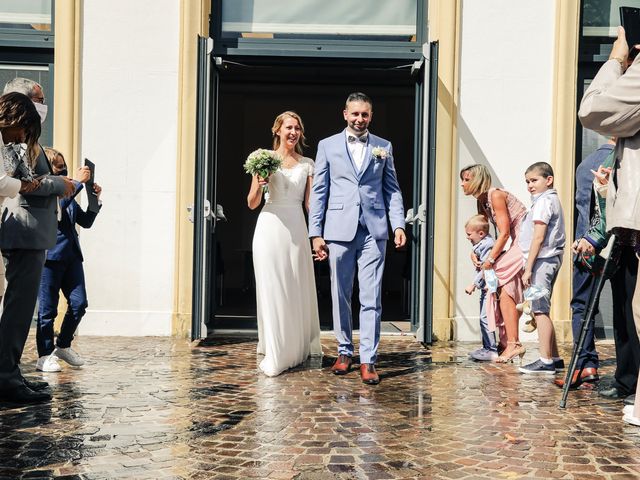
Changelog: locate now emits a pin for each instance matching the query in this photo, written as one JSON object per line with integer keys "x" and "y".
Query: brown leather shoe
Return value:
{"x": 586, "y": 375}
{"x": 342, "y": 365}
{"x": 369, "y": 374}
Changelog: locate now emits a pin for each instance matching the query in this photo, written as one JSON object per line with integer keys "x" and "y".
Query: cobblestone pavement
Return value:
{"x": 163, "y": 408}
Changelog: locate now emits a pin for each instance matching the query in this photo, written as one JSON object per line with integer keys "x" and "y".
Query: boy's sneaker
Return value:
{"x": 48, "y": 363}
{"x": 538, "y": 367}
{"x": 69, "y": 356}
{"x": 484, "y": 355}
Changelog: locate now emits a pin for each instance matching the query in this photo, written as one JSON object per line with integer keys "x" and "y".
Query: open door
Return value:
{"x": 420, "y": 217}
{"x": 203, "y": 212}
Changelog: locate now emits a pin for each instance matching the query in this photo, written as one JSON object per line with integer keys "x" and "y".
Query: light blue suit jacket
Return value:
{"x": 341, "y": 192}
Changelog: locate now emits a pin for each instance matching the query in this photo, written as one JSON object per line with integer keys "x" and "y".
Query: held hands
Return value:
{"x": 400, "y": 239}
{"x": 470, "y": 289}
{"x": 583, "y": 246}
{"x": 320, "y": 249}
{"x": 526, "y": 278}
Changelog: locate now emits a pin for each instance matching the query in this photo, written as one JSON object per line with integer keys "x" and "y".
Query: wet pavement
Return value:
{"x": 163, "y": 408}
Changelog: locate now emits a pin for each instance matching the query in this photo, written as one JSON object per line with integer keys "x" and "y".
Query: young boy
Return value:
{"x": 477, "y": 230}
{"x": 542, "y": 239}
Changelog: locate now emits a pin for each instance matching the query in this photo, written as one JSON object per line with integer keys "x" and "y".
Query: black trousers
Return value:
{"x": 623, "y": 285}
{"x": 23, "y": 273}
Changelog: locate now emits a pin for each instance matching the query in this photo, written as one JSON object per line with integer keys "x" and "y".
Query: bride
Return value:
{"x": 287, "y": 307}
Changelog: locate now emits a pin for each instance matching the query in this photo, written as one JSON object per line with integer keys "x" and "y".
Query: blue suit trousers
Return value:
{"x": 68, "y": 276}
{"x": 365, "y": 255}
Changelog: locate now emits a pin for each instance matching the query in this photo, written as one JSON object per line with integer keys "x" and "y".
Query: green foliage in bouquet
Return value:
{"x": 262, "y": 162}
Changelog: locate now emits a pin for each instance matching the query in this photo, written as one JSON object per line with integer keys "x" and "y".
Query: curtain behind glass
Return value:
{"x": 321, "y": 17}
{"x": 26, "y": 14}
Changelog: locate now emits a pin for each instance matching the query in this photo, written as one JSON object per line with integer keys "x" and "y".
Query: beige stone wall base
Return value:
{"x": 563, "y": 150}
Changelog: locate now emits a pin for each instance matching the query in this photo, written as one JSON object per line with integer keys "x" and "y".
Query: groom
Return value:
{"x": 355, "y": 190}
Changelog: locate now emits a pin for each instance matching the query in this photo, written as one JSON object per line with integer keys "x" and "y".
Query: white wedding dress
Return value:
{"x": 287, "y": 306}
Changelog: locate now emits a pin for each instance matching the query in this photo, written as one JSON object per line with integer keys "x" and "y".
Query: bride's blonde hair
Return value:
{"x": 277, "y": 124}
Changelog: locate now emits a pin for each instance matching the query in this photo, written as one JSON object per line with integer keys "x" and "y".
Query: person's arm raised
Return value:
{"x": 255, "y": 192}
{"x": 611, "y": 105}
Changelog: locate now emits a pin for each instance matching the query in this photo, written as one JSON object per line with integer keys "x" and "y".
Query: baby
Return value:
{"x": 477, "y": 230}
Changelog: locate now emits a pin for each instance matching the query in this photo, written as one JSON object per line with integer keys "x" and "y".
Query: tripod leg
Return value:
{"x": 587, "y": 318}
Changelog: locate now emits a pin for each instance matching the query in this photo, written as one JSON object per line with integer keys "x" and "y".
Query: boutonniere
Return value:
{"x": 380, "y": 153}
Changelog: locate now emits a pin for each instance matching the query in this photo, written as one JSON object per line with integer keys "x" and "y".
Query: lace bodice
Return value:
{"x": 287, "y": 185}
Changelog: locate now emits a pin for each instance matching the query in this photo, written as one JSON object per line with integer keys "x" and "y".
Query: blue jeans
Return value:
{"x": 488, "y": 338}
{"x": 68, "y": 276}
{"x": 582, "y": 285}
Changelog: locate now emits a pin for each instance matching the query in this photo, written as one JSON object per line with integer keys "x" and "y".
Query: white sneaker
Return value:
{"x": 69, "y": 356}
{"x": 48, "y": 363}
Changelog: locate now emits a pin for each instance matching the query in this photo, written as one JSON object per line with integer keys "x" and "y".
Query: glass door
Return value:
{"x": 420, "y": 217}
{"x": 203, "y": 213}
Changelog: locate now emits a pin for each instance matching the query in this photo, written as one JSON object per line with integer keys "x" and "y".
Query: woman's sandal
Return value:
{"x": 510, "y": 353}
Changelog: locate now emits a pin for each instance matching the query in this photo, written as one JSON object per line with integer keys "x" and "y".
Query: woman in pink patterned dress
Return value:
{"x": 506, "y": 213}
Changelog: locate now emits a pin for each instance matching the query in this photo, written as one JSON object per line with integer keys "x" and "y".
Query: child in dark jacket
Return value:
{"x": 63, "y": 271}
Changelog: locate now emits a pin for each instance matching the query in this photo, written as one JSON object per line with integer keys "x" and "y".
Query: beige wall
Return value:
{"x": 563, "y": 148}
{"x": 443, "y": 27}
{"x": 194, "y": 17}
{"x": 446, "y": 26}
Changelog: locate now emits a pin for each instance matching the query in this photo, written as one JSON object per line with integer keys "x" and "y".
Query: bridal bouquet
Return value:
{"x": 263, "y": 163}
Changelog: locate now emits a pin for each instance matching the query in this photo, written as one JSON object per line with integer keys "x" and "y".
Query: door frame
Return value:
{"x": 204, "y": 296}
{"x": 203, "y": 210}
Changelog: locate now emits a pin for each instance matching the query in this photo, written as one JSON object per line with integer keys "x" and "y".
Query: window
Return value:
{"x": 37, "y": 73}
{"x": 601, "y": 19}
{"x": 377, "y": 19}
{"x": 26, "y": 41}
{"x": 319, "y": 28}
{"x": 26, "y": 14}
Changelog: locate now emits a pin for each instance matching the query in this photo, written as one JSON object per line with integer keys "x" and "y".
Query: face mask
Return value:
{"x": 42, "y": 111}
{"x": 64, "y": 172}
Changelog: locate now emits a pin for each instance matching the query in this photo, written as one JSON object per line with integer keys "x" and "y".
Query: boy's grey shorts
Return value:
{"x": 544, "y": 274}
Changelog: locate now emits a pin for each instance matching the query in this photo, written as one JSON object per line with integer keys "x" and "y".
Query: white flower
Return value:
{"x": 380, "y": 153}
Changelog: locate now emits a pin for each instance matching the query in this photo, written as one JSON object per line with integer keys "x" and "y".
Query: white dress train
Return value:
{"x": 287, "y": 306}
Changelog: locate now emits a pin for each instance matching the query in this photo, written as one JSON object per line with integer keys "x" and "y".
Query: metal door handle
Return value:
{"x": 206, "y": 211}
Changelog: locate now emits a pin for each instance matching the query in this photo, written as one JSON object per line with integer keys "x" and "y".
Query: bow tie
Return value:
{"x": 354, "y": 139}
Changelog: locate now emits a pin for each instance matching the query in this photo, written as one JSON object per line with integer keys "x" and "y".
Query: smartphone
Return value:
{"x": 630, "y": 21}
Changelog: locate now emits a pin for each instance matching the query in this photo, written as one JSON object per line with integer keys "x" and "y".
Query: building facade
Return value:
{"x": 122, "y": 79}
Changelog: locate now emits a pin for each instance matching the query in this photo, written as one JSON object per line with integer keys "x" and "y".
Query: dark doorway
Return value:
{"x": 249, "y": 98}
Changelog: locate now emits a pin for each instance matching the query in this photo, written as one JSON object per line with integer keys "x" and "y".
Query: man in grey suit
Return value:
{"x": 28, "y": 226}
{"x": 355, "y": 196}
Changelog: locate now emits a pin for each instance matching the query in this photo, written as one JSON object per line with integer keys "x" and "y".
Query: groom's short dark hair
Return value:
{"x": 358, "y": 97}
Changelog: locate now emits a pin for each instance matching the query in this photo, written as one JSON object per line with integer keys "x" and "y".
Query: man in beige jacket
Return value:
{"x": 611, "y": 107}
